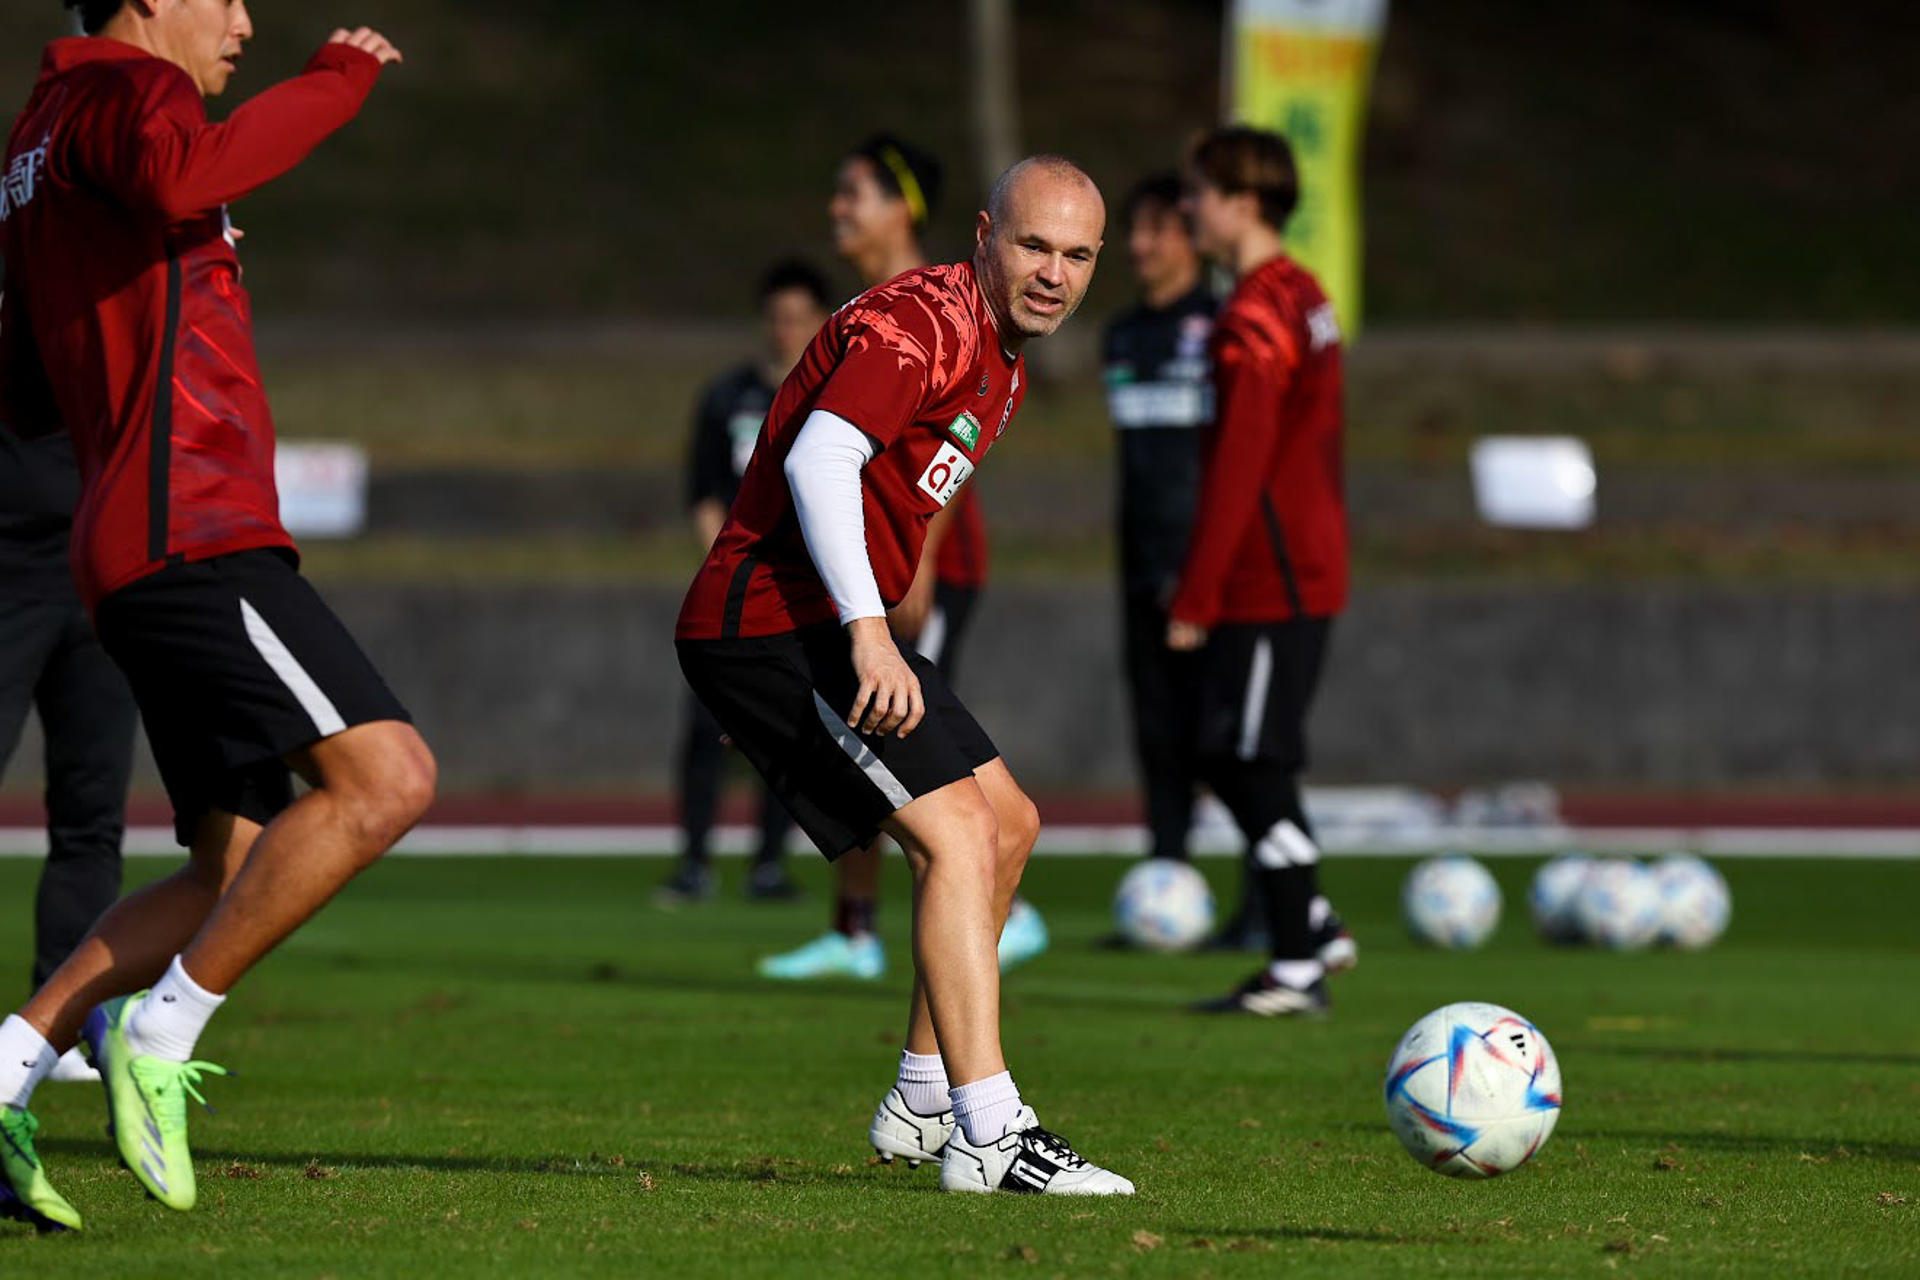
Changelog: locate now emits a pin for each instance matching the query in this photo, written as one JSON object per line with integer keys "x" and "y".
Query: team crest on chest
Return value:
{"x": 965, "y": 429}
{"x": 984, "y": 384}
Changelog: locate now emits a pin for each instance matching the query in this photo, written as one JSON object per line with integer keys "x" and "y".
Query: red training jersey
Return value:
{"x": 917, "y": 364}
{"x": 124, "y": 321}
{"x": 1269, "y": 537}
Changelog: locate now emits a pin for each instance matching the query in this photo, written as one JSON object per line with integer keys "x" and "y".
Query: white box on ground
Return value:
{"x": 1534, "y": 482}
{"x": 323, "y": 488}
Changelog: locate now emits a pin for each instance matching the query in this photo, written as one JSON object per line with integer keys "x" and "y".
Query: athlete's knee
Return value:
{"x": 968, "y": 837}
{"x": 384, "y": 783}
{"x": 1019, "y": 828}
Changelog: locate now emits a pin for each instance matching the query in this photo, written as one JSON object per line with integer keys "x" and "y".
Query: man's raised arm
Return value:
{"x": 173, "y": 163}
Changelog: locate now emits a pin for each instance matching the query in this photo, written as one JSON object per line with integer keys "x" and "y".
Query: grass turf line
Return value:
{"x": 499, "y": 1067}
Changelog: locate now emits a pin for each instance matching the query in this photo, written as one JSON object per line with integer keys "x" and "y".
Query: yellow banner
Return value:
{"x": 1302, "y": 68}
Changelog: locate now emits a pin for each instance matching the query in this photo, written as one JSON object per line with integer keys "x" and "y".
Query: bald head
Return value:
{"x": 1036, "y": 243}
{"x": 1042, "y": 172}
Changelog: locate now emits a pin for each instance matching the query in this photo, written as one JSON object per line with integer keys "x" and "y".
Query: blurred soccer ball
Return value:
{"x": 1551, "y": 897}
{"x": 1450, "y": 902}
{"x": 1694, "y": 902}
{"x": 1163, "y": 905}
{"x": 1473, "y": 1090}
{"x": 1618, "y": 906}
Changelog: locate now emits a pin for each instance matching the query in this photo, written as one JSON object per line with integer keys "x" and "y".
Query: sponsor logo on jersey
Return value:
{"x": 22, "y": 178}
{"x": 945, "y": 474}
{"x": 1323, "y": 327}
{"x": 1194, "y": 331}
{"x": 965, "y": 429}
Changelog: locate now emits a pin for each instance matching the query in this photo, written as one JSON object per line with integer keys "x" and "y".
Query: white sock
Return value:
{"x": 923, "y": 1082}
{"x": 985, "y": 1109}
{"x": 168, "y": 1022}
{"x": 1298, "y": 974}
{"x": 25, "y": 1059}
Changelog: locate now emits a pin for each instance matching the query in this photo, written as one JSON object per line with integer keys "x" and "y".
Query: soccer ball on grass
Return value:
{"x": 1694, "y": 902}
{"x": 1450, "y": 902}
{"x": 1473, "y": 1090}
{"x": 1163, "y": 905}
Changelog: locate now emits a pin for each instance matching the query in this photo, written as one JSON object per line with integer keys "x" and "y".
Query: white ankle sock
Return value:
{"x": 1298, "y": 974}
{"x": 168, "y": 1022}
{"x": 985, "y": 1109}
{"x": 923, "y": 1082}
{"x": 25, "y": 1059}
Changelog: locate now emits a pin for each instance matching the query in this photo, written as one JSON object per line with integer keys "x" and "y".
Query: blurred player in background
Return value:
{"x": 726, "y": 423}
{"x": 51, "y": 661}
{"x": 784, "y": 636}
{"x": 124, "y": 321}
{"x": 1159, "y": 393}
{"x": 1266, "y": 565}
{"x": 884, "y": 198}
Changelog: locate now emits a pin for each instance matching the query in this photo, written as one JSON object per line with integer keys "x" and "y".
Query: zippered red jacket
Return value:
{"x": 123, "y": 320}
{"x": 1269, "y": 539}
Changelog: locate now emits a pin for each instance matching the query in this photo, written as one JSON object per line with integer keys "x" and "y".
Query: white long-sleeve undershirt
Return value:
{"x": 823, "y": 471}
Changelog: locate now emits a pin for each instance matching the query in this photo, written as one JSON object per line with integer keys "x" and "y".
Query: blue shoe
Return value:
{"x": 831, "y": 955}
{"x": 1024, "y": 937}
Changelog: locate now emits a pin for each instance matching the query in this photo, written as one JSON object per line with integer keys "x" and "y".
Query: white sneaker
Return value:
{"x": 73, "y": 1068}
{"x": 899, "y": 1130}
{"x": 1028, "y": 1160}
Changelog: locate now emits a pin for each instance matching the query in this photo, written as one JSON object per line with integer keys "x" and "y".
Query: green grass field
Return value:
{"x": 471, "y": 1067}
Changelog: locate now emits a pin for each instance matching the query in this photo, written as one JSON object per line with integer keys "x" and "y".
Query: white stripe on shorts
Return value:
{"x": 861, "y": 754}
{"x": 1253, "y": 714}
{"x": 327, "y": 720}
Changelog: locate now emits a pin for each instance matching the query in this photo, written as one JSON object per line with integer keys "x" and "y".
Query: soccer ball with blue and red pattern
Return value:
{"x": 1694, "y": 903}
{"x": 1473, "y": 1090}
{"x": 1451, "y": 902}
{"x": 1163, "y": 905}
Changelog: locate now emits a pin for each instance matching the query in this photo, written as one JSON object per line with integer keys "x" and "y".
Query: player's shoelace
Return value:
{"x": 1055, "y": 1148}
{"x": 167, "y": 1085}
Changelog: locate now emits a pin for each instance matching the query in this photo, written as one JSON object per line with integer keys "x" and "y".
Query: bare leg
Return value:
{"x": 131, "y": 945}
{"x": 968, "y": 844}
{"x": 371, "y": 784}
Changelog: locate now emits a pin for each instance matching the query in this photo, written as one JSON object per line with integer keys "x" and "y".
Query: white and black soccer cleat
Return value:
{"x": 1264, "y": 995}
{"x": 900, "y": 1132}
{"x": 1029, "y": 1161}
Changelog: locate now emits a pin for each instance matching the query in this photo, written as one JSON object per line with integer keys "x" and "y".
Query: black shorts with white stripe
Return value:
{"x": 1257, "y": 681}
{"x": 784, "y": 700}
{"x": 236, "y": 662}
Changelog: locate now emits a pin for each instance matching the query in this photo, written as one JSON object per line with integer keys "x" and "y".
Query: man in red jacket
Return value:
{"x": 1266, "y": 565}
{"x": 124, "y": 322}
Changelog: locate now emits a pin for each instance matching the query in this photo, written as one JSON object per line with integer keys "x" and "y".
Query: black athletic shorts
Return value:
{"x": 235, "y": 662}
{"x": 1257, "y": 682}
{"x": 784, "y": 700}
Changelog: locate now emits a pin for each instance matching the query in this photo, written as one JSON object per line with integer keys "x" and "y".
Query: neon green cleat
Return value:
{"x": 25, "y": 1193}
{"x": 831, "y": 955}
{"x": 147, "y": 1103}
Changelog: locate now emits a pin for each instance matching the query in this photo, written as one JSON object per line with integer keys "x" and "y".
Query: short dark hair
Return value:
{"x": 906, "y": 171}
{"x": 1240, "y": 158}
{"x": 1156, "y": 191}
{"x": 795, "y": 273}
{"x": 94, "y": 14}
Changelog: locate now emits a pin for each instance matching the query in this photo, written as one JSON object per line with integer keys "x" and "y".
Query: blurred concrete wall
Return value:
{"x": 535, "y": 689}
